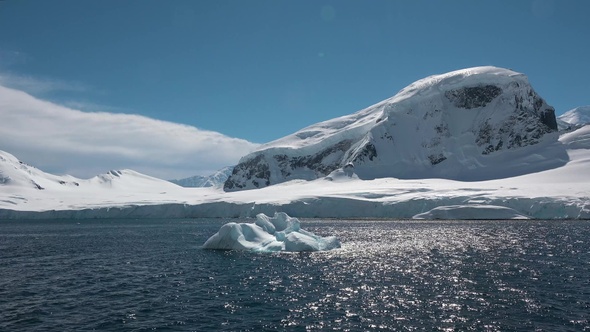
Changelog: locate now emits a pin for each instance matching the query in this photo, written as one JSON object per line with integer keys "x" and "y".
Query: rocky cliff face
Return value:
{"x": 454, "y": 125}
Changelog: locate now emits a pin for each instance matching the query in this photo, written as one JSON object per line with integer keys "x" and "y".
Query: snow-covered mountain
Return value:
{"x": 216, "y": 179}
{"x": 16, "y": 174}
{"x": 471, "y": 124}
{"x": 576, "y": 117}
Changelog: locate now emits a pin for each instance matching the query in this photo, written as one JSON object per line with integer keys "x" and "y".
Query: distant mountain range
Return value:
{"x": 216, "y": 179}
{"x": 17, "y": 174}
{"x": 574, "y": 118}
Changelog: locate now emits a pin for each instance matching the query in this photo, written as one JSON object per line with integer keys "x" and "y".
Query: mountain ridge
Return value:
{"x": 16, "y": 173}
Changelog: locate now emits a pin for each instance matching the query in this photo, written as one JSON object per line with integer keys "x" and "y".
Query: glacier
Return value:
{"x": 278, "y": 233}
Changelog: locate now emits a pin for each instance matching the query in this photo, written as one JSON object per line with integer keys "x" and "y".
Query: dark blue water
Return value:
{"x": 122, "y": 275}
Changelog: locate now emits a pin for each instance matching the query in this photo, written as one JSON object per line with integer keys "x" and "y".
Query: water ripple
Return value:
{"x": 397, "y": 275}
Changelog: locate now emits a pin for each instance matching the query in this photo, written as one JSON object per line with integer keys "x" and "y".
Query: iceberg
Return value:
{"x": 279, "y": 233}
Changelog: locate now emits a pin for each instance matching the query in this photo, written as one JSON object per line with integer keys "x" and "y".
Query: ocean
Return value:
{"x": 152, "y": 275}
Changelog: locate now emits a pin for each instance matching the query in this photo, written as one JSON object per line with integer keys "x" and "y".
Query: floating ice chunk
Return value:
{"x": 474, "y": 211}
{"x": 263, "y": 221}
{"x": 305, "y": 241}
{"x": 279, "y": 233}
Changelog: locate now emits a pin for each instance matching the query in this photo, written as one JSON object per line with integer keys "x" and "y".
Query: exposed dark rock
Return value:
{"x": 37, "y": 185}
{"x": 256, "y": 167}
{"x": 525, "y": 126}
{"x": 473, "y": 97}
{"x": 367, "y": 152}
{"x": 443, "y": 129}
{"x": 548, "y": 119}
{"x": 436, "y": 159}
{"x": 387, "y": 136}
{"x": 484, "y": 135}
{"x": 312, "y": 162}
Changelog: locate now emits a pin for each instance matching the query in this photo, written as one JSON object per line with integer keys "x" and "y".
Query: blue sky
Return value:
{"x": 259, "y": 70}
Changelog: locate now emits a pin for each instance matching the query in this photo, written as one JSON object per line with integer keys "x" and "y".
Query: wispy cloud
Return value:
{"x": 60, "y": 139}
{"x": 87, "y": 106}
{"x": 39, "y": 86}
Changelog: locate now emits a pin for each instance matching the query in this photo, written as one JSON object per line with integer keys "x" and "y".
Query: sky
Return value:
{"x": 95, "y": 85}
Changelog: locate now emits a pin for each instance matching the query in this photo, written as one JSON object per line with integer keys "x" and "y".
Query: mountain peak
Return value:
{"x": 463, "y": 77}
{"x": 452, "y": 125}
{"x": 578, "y": 116}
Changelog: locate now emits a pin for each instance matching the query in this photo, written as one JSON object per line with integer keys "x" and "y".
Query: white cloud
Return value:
{"x": 62, "y": 140}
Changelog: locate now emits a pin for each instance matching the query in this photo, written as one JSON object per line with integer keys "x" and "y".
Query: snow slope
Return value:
{"x": 214, "y": 180}
{"x": 579, "y": 116}
{"x": 472, "y": 124}
{"x": 561, "y": 192}
{"x": 29, "y": 188}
